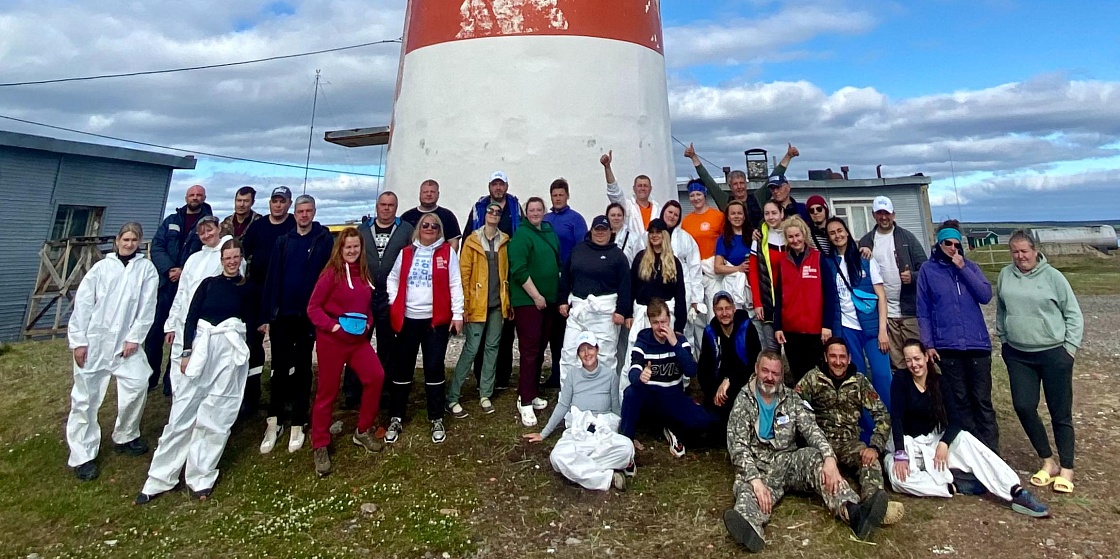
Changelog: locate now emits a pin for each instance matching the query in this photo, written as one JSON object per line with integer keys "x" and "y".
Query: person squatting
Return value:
{"x": 815, "y": 354}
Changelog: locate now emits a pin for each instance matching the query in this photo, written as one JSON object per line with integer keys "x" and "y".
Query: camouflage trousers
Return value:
{"x": 799, "y": 470}
{"x": 847, "y": 456}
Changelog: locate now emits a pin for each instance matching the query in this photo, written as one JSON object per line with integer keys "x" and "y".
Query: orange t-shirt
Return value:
{"x": 646, "y": 214}
{"x": 705, "y": 229}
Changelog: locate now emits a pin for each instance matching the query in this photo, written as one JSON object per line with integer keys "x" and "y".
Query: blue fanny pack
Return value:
{"x": 353, "y": 323}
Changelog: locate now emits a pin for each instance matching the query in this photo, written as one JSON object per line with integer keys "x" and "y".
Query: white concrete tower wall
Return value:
{"x": 539, "y": 89}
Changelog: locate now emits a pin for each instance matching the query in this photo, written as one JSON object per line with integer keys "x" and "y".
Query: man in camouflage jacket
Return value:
{"x": 762, "y": 441}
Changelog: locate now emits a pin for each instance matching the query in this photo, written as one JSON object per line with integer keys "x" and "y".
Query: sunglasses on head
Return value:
{"x": 816, "y": 209}
{"x": 949, "y": 243}
{"x": 429, "y": 225}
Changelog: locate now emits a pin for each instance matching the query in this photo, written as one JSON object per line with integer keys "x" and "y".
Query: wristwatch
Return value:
{"x": 186, "y": 353}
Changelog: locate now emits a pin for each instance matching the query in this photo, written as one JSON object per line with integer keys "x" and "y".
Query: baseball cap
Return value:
{"x": 882, "y": 204}
{"x": 721, "y": 295}
{"x": 776, "y": 180}
{"x": 588, "y": 338}
{"x": 657, "y": 224}
{"x": 283, "y": 192}
{"x": 498, "y": 176}
{"x": 600, "y": 221}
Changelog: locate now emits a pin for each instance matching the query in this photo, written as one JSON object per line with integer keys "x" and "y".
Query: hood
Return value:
{"x": 479, "y": 239}
{"x": 545, "y": 226}
{"x": 431, "y": 248}
{"x": 1042, "y": 266}
{"x": 601, "y": 248}
{"x": 217, "y": 247}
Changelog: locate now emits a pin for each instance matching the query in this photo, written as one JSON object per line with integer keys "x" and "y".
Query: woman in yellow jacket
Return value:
{"x": 485, "y": 270}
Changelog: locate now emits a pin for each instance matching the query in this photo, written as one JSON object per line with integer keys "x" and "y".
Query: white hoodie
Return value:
{"x": 419, "y": 302}
{"x": 205, "y": 263}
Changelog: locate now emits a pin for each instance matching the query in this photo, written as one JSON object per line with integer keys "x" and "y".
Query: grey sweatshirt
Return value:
{"x": 594, "y": 391}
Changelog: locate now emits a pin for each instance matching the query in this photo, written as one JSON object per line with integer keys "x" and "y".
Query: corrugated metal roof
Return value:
{"x": 44, "y": 143}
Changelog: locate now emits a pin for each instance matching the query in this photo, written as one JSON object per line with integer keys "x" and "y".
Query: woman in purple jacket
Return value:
{"x": 950, "y": 292}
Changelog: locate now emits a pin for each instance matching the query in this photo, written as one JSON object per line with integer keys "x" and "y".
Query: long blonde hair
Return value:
{"x": 650, "y": 258}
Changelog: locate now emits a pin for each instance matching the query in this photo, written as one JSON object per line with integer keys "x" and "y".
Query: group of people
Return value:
{"x": 634, "y": 307}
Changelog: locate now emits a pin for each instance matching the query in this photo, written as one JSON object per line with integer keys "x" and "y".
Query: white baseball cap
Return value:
{"x": 586, "y": 337}
{"x": 882, "y": 204}
{"x": 498, "y": 176}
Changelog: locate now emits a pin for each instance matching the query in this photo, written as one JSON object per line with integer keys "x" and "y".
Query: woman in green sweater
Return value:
{"x": 1040, "y": 324}
{"x": 534, "y": 272}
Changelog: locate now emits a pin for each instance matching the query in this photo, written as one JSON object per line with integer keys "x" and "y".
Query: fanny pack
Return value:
{"x": 353, "y": 323}
{"x": 864, "y": 302}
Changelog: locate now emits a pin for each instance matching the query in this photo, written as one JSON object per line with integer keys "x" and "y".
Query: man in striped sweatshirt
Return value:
{"x": 659, "y": 362}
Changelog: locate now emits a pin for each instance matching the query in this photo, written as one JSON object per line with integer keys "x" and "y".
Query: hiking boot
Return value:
{"x": 438, "y": 433}
{"x": 742, "y": 532}
{"x": 528, "y": 416}
{"x": 895, "y": 511}
{"x": 631, "y": 469}
{"x": 87, "y": 471}
{"x": 322, "y": 461}
{"x": 487, "y": 407}
{"x": 1026, "y": 503}
{"x": 296, "y": 438}
{"x": 368, "y": 441}
{"x": 676, "y": 448}
{"x": 865, "y": 517}
{"x": 394, "y": 431}
{"x": 135, "y": 447}
{"x": 539, "y": 403}
{"x": 457, "y": 411}
{"x": 271, "y": 435}
{"x": 618, "y": 480}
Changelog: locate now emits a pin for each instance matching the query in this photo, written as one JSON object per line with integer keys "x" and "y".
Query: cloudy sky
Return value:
{"x": 1026, "y": 97}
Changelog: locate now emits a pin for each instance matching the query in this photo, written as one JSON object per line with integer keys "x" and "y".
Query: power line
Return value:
{"x": 702, "y": 158}
{"x": 204, "y": 67}
{"x": 191, "y": 151}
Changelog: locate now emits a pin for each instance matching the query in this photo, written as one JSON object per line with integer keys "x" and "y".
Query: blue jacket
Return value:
{"x": 868, "y": 322}
{"x": 477, "y": 218}
{"x": 172, "y": 246}
{"x": 570, "y": 227}
{"x": 949, "y": 299}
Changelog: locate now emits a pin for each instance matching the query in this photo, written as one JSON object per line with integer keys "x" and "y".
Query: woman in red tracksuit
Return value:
{"x": 804, "y": 301}
{"x": 343, "y": 294}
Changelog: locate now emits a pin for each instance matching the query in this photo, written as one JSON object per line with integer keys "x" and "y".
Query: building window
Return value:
{"x": 857, "y": 214}
{"x": 76, "y": 221}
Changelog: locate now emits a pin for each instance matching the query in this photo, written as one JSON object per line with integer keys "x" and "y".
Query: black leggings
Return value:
{"x": 1053, "y": 370}
{"x": 804, "y": 352}
{"x": 418, "y": 335}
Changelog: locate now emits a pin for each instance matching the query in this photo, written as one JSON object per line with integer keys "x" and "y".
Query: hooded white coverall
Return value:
{"x": 201, "y": 265}
{"x": 686, "y": 250}
{"x": 633, "y": 212}
{"x": 966, "y": 454}
{"x": 590, "y": 458}
{"x": 594, "y": 314}
{"x": 206, "y": 399}
{"x": 114, "y": 304}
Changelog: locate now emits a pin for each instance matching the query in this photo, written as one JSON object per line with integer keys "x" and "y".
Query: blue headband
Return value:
{"x": 949, "y": 233}
{"x": 696, "y": 186}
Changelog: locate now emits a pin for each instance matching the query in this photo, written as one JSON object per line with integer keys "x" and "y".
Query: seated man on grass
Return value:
{"x": 762, "y": 440}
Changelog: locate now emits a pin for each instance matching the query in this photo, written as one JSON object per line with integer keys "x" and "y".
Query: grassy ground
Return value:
{"x": 1089, "y": 275}
{"x": 484, "y": 493}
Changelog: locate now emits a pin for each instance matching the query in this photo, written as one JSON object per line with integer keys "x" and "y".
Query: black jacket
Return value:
{"x": 172, "y": 246}
{"x": 597, "y": 270}
{"x": 307, "y": 266}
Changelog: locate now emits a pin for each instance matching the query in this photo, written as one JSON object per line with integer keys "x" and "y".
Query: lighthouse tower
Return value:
{"x": 539, "y": 89}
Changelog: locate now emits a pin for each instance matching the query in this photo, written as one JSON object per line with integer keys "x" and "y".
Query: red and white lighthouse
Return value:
{"x": 536, "y": 88}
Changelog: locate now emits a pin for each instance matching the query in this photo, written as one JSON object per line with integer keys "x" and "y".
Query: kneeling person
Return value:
{"x": 590, "y": 452}
{"x": 762, "y": 440}
{"x": 838, "y": 396}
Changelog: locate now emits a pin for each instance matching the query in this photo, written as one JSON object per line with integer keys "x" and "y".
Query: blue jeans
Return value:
{"x": 864, "y": 349}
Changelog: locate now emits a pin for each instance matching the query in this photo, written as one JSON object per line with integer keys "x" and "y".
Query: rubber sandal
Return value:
{"x": 1062, "y": 485}
{"x": 1041, "y": 478}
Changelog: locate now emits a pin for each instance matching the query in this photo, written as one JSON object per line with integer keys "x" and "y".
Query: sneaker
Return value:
{"x": 1026, "y": 503}
{"x": 895, "y": 511}
{"x": 135, "y": 447}
{"x": 539, "y": 403}
{"x": 322, "y": 461}
{"x": 394, "y": 431}
{"x": 528, "y": 416}
{"x": 438, "y": 433}
{"x": 675, "y": 446}
{"x": 296, "y": 438}
{"x": 631, "y": 469}
{"x": 618, "y": 481}
{"x": 865, "y": 517}
{"x": 271, "y": 435}
{"x": 486, "y": 406}
{"x": 87, "y": 471}
{"x": 457, "y": 411}
{"x": 368, "y": 441}
{"x": 742, "y": 532}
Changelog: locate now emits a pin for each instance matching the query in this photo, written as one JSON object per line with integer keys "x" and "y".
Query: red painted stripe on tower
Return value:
{"x": 432, "y": 22}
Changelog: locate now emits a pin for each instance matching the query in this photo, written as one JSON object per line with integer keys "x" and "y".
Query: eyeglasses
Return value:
{"x": 816, "y": 209}
{"x": 429, "y": 225}
{"x": 952, "y": 244}
{"x": 493, "y": 212}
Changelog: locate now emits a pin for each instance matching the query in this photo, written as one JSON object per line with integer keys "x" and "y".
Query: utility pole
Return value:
{"x": 956, "y": 194}
{"x": 311, "y": 133}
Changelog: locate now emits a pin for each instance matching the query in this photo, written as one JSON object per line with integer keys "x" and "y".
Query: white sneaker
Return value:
{"x": 539, "y": 403}
{"x": 295, "y": 440}
{"x": 528, "y": 416}
{"x": 271, "y": 434}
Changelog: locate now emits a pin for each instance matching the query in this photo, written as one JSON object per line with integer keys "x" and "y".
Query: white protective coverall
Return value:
{"x": 206, "y": 399}
{"x": 115, "y": 304}
{"x": 594, "y": 314}
{"x": 736, "y": 284}
{"x": 201, "y": 265}
{"x": 686, "y": 250}
{"x": 590, "y": 458}
{"x": 633, "y": 213}
{"x": 966, "y": 453}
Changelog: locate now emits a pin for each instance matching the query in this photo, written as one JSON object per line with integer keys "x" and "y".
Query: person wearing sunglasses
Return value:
{"x": 818, "y": 220}
{"x": 950, "y": 291}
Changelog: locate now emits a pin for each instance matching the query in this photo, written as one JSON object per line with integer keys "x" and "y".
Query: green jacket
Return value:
{"x": 751, "y": 455}
{"x": 1037, "y": 310}
{"x": 533, "y": 253}
{"x": 838, "y": 409}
